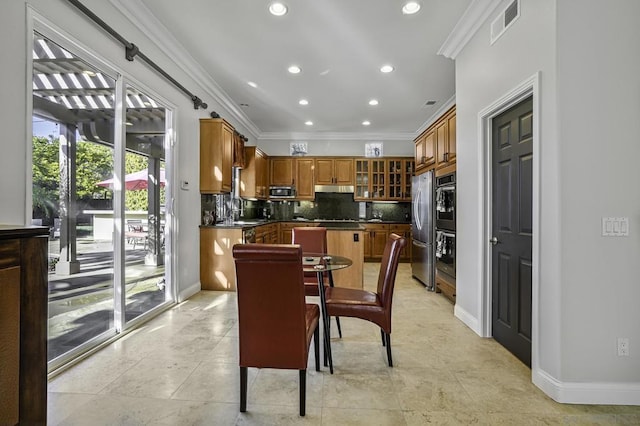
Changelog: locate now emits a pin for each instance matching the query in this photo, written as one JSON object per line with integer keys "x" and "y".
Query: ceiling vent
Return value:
{"x": 428, "y": 104}
{"x": 504, "y": 20}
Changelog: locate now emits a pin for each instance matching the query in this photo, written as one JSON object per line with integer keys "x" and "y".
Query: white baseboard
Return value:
{"x": 468, "y": 319}
{"x": 587, "y": 392}
{"x": 189, "y": 291}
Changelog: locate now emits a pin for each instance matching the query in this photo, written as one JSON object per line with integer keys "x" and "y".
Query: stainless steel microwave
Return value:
{"x": 282, "y": 192}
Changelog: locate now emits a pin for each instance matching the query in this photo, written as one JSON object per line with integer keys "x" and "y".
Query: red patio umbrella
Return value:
{"x": 134, "y": 181}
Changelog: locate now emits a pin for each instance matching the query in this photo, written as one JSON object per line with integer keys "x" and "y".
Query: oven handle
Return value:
{"x": 447, "y": 188}
{"x": 447, "y": 234}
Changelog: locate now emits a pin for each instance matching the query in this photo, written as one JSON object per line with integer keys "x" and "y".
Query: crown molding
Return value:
{"x": 143, "y": 18}
{"x": 336, "y": 136}
{"x": 471, "y": 20}
{"x": 436, "y": 115}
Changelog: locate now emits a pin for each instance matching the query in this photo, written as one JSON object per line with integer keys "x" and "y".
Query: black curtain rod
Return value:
{"x": 131, "y": 51}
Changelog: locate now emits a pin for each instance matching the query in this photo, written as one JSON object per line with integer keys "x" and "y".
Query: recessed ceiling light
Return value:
{"x": 309, "y": 123}
{"x": 294, "y": 69}
{"x": 252, "y": 84}
{"x": 386, "y": 68}
{"x": 277, "y": 8}
{"x": 366, "y": 123}
{"x": 373, "y": 102}
{"x": 411, "y": 7}
{"x": 128, "y": 123}
{"x": 303, "y": 102}
{"x": 89, "y": 73}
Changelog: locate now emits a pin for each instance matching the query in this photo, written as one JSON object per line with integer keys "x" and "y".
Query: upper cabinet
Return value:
{"x": 436, "y": 146}
{"x": 294, "y": 171}
{"x": 425, "y": 150}
{"x": 446, "y": 137}
{"x": 400, "y": 173}
{"x": 305, "y": 187}
{"x": 283, "y": 171}
{"x": 371, "y": 180}
{"x": 238, "y": 150}
{"x": 254, "y": 178}
{"x": 334, "y": 171}
{"x": 216, "y": 155}
{"x": 383, "y": 179}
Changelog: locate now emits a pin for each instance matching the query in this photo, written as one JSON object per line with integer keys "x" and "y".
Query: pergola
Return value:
{"x": 81, "y": 98}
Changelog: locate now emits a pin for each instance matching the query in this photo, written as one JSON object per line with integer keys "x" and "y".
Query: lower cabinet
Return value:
{"x": 446, "y": 285}
{"x": 217, "y": 268}
{"x": 376, "y": 236}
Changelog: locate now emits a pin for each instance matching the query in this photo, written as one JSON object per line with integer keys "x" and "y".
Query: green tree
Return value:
{"x": 94, "y": 163}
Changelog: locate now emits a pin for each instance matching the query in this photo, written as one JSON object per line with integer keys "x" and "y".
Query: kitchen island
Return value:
{"x": 217, "y": 269}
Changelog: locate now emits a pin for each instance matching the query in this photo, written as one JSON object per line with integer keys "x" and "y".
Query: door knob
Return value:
{"x": 493, "y": 241}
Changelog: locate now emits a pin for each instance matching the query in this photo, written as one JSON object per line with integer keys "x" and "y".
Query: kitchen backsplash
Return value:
{"x": 326, "y": 206}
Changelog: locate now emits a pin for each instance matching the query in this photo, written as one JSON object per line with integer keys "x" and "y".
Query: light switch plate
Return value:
{"x": 184, "y": 185}
{"x": 615, "y": 226}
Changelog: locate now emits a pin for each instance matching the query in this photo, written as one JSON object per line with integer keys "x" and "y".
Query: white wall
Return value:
{"x": 15, "y": 120}
{"x": 598, "y": 113}
{"x": 484, "y": 73}
{"x": 587, "y": 56}
{"x": 340, "y": 148}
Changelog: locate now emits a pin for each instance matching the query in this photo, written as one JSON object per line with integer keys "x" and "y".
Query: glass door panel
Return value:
{"x": 72, "y": 162}
{"x": 145, "y": 195}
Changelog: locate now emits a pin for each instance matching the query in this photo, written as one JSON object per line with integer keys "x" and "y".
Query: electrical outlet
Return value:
{"x": 623, "y": 346}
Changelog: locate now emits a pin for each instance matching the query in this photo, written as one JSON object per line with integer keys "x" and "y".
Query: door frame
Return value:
{"x": 527, "y": 88}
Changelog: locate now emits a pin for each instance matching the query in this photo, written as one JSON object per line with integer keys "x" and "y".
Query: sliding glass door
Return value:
{"x": 102, "y": 196}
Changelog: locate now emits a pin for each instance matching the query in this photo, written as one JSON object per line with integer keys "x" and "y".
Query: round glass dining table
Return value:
{"x": 320, "y": 264}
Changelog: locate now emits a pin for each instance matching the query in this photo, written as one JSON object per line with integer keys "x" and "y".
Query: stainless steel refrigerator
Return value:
{"x": 422, "y": 252}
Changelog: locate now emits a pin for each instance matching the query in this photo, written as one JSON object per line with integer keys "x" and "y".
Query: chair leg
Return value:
{"x": 382, "y": 335}
{"x": 388, "y": 338}
{"x": 316, "y": 345}
{"x": 303, "y": 391}
{"x": 339, "y": 329}
{"x": 243, "y": 389}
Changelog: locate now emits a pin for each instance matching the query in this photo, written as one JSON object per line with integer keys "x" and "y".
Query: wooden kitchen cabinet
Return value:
{"x": 436, "y": 146}
{"x": 305, "y": 186}
{"x": 375, "y": 238}
{"x": 334, "y": 171}
{"x": 217, "y": 268}
{"x": 446, "y": 140}
{"x": 267, "y": 234}
{"x": 254, "y": 178}
{"x": 399, "y": 178}
{"x": 425, "y": 151}
{"x": 286, "y": 230}
{"x": 298, "y": 172}
{"x": 371, "y": 178}
{"x": 283, "y": 171}
{"x": 404, "y": 230}
{"x": 238, "y": 150}
{"x": 216, "y": 155}
{"x": 23, "y": 325}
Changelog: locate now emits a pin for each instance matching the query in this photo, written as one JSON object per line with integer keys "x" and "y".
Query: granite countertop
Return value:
{"x": 329, "y": 224}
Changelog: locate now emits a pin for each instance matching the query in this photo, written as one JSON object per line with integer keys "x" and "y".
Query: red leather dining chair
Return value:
{"x": 367, "y": 305}
{"x": 274, "y": 322}
{"x": 313, "y": 240}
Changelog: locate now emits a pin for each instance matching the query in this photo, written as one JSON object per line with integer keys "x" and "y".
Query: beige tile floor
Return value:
{"x": 181, "y": 368}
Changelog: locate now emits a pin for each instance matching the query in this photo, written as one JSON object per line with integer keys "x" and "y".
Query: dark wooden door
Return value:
{"x": 512, "y": 228}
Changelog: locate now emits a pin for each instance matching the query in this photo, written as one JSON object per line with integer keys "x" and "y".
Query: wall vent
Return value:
{"x": 504, "y": 20}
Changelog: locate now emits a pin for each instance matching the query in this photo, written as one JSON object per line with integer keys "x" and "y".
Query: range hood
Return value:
{"x": 341, "y": 189}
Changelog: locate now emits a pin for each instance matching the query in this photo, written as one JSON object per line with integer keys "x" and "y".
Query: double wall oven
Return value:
{"x": 445, "y": 213}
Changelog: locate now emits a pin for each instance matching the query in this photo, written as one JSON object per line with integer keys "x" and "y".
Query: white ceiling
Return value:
{"x": 340, "y": 46}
